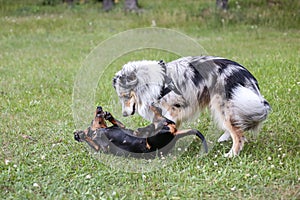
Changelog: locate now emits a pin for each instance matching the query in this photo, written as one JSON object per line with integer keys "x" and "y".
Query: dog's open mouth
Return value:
{"x": 133, "y": 109}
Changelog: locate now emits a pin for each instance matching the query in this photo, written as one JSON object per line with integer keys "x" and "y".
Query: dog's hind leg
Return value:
{"x": 222, "y": 112}
{"x": 238, "y": 139}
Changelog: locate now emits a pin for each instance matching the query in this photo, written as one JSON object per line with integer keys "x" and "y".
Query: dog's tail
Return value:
{"x": 183, "y": 133}
{"x": 250, "y": 108}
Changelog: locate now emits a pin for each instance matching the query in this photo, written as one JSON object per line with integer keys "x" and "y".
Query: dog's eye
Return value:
{"x": 177, "y": 105}
{"x": 126, "y": 96}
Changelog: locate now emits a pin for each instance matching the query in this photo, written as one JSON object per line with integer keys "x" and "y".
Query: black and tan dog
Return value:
{"x": 121, "y": 141}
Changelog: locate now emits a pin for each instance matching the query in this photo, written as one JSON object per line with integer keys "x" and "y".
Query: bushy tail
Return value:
{"x": 250, "y": 109}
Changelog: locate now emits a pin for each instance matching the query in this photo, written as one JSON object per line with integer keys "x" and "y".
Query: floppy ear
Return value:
{"x": 131, "y": 78}
{"x": 127, "y": 80}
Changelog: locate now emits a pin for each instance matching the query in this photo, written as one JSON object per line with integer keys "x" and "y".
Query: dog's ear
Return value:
{"x": 128, "y": 79}
{"x": 125, "y": 79}
{"x": 131, "y": 78}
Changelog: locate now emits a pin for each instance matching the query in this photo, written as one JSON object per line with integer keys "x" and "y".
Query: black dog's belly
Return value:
{"x": 123, "y": 142}
{"x": 162, "y": 139}
{"x": 124, "y": 139}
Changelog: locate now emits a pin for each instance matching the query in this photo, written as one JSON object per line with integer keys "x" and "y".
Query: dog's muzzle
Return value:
{"x": 125, "y": 113}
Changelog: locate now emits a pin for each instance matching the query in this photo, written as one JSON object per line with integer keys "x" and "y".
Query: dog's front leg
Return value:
{"x": 108, "y": 116}
{"x": 81, "y": 136}
{"x": 146, "y": 131}
{"x": 157, "y": 124}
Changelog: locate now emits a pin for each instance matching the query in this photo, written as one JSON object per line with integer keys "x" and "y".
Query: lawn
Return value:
{"x": 42, "y": 50}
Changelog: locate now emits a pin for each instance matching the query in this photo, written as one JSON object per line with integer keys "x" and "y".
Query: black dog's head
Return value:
{"x": 99, "y": 111}
{"x": 99, "y": 120}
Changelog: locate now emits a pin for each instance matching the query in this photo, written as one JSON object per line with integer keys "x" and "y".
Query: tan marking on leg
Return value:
{"x": 173, "y": 129}
{"x": 92, "y": 143}
{"x": 148, "y": 145}
{"x": 180, "y": 132}
{"x": 117, "y": 123}
{"x": 237, "y": 136}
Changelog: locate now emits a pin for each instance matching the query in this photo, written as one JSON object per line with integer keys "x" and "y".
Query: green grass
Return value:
{"x": 41, "y": 52}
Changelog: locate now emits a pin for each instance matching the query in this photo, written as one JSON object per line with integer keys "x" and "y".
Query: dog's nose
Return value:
{"x": 99, "y": 108}
{"x": 125, "y": 114}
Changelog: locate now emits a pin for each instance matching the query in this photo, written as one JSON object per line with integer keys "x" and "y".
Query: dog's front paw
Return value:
{"x": 225, "y": 137}
{"x": 79, "y": 135}
{"x": 231, "y": 154}
{"x": 107, "y": 115}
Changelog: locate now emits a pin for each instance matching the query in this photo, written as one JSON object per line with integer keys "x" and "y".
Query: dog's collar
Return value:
{"x": 168, "y": 84}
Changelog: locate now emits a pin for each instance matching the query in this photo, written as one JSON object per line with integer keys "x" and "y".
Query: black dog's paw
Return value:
{"x": 107, "y": 116}
{"x": 78, "y": 135}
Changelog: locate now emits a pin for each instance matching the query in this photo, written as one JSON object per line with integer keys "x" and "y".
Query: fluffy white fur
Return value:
{"x": 248, "y": 108}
